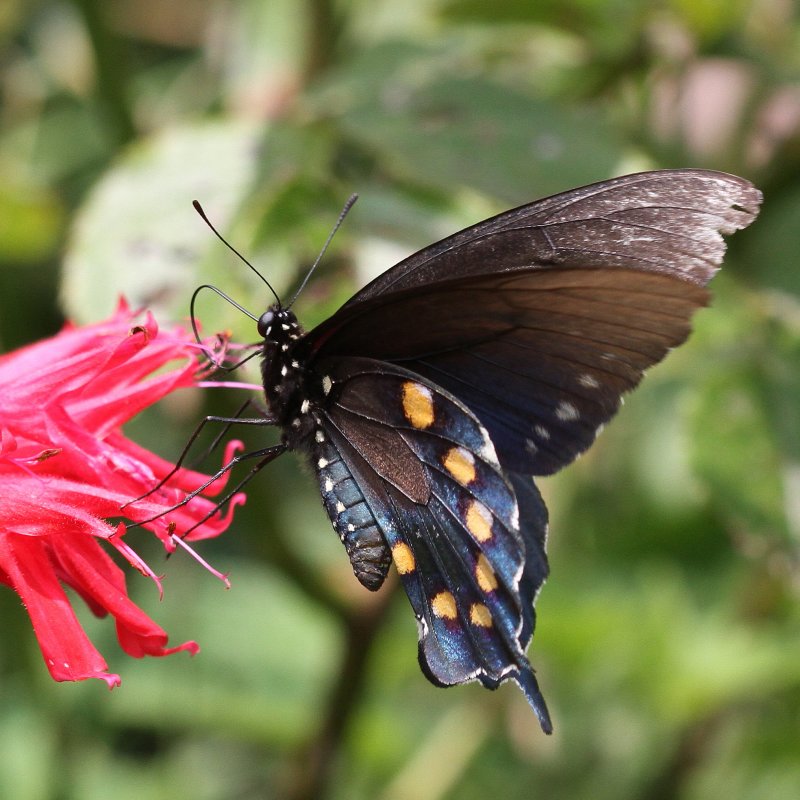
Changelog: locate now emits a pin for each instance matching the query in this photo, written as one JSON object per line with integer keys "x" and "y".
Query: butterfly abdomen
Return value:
{"x": 350, "y": 515}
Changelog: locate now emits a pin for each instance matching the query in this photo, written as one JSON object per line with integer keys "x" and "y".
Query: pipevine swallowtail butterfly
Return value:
{"x": 431, "y": 399}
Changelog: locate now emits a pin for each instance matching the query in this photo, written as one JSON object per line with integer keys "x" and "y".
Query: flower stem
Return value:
{"x": 314, "y": 767}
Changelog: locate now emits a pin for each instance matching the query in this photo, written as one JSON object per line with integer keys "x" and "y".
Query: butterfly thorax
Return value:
{"x": 284, "y": 375}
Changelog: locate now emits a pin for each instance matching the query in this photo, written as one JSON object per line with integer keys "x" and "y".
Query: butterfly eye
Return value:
{"x": 265, "y": 323}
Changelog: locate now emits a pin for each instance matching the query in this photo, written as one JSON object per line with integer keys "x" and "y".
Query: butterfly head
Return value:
{"x": 278, "y": 325}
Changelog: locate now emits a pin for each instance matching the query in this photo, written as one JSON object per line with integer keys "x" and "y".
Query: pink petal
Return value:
{"x": 67, "y": 651}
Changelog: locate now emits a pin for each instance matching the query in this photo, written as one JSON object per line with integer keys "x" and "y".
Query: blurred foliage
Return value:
{"x": 668, "y": 640}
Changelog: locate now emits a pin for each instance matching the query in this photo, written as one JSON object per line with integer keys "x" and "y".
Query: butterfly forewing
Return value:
{"x": 541, "y": 357}
{"x": 546, "y": 385}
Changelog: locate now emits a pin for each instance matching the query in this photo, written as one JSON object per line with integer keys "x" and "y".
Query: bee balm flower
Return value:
{"x": 66, "y": 469}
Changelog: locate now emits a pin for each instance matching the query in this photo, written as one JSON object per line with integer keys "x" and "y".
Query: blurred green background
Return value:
{"x": 668, "y": 641}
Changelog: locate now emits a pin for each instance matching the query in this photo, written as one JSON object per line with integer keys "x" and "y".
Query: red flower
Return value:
{"x": 65, "y": 468}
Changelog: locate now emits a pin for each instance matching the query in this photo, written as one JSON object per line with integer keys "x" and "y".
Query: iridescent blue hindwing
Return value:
{"x": 427, "y": 470}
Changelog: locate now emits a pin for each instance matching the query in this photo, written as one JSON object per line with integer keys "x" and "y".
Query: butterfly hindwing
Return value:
{"x": 454, "y": 458}
{"x": 533, "y": 524}
{"x": 454, "y": 532}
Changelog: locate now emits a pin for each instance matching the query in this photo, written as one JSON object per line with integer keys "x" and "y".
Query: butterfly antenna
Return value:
{"x": 347, "y": 206}
{"x": 199, "y": 209}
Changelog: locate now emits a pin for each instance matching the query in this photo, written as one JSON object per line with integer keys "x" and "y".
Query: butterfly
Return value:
{"x": 428, "y": 403}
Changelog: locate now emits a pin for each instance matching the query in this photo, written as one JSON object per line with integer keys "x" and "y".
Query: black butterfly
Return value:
{"x": 427, "y": 403}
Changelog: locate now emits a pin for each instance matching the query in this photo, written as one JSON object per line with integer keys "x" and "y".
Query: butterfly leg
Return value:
{"x": 266, "y": 419}
{"x": 267, "y": 454}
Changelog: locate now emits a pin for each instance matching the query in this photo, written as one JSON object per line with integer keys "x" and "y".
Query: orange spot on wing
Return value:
{"x": 418, "y": 405}
{"x": 460, "y": 463}
{"x": 443, "y": 605}
{"x": 480, "y": 615}
{"x": 479, "y": 521}
{"x": 484, "y": 574}
{"x": 403, "y": 558}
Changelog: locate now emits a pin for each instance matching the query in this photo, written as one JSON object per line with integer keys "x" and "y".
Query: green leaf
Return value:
{"x": 446, "y": 132}
{"x": 746, "y": 423}
{"x": 30, "y": 222}
{"x": 137, "y": 234}
{"x": 770, "y": 247}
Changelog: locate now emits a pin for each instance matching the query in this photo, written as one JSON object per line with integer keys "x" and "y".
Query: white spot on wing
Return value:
{"x": 541, "y": 432}
{"x": 589, "y": 381}
{"x": 487, "y": 452}
{"x": 327, "y": 384}
{"x": 567, "y": 412}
